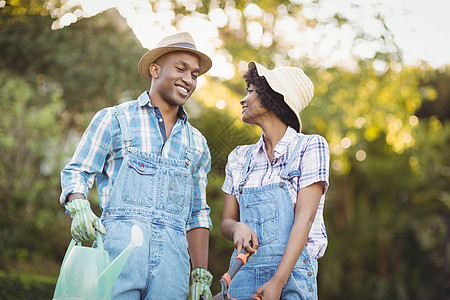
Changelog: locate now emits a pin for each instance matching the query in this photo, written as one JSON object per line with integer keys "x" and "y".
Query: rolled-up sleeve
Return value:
{"x": 229, "y": 184}
{"x": 315, "y": 162}
{"x": 200, "y": 216}
{"x": 89, "y": 157}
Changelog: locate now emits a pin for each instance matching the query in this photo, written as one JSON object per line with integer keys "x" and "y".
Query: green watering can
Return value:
{"x": 86, "y": 272}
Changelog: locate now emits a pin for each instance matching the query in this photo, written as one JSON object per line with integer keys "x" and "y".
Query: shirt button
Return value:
{"x": 160, "y": 120}
{"x": 309, "y": 273}
{"x": 305, "y": 261}
{"x": 129, "y": 149}
{"x": 311, "y": 290}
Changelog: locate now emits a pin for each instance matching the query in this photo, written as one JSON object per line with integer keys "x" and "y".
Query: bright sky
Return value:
{"x": 425, "y": 32}
{"x": 421, "y": 28}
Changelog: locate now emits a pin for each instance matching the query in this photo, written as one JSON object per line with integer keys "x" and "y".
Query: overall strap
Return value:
{"x": 189, "y": 155}
{"x": 124, "y": 126}
{"x": 288, "y": 174}
{"x": 245, "y": 170}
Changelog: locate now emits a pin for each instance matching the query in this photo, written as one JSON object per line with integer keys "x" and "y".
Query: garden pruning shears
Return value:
{"x": 241, "y": 259}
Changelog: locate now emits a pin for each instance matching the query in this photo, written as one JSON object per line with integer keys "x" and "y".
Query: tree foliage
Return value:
{"x": 30, "y": 139}
{"x": 90, "y": 74}
{"x": 388, "y": 206}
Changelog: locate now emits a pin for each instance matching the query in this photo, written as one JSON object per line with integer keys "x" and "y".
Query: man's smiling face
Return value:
{"x": 178, "y": 75}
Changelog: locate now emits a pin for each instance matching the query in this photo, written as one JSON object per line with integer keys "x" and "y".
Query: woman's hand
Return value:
{"x": 271, "y": 290}
{"x": 231, "y": 227}
{"x": 244, "y": 237}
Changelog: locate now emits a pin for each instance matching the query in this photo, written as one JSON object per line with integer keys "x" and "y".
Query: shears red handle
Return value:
{"x": 241, "y": 259}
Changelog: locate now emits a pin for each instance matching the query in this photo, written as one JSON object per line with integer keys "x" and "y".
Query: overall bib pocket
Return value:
{"x": 261, "y": 214}
{"x": 178, "y": 186}
{"x": 140, "y": 183}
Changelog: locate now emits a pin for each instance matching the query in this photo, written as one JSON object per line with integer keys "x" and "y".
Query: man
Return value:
{"x": 151, "y": 166}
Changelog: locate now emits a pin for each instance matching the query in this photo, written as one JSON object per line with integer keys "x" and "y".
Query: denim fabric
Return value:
{"x": 99, "y": 155}
{"x": 268, "y": 211}
{"x": 311, "y": 160}
{"x": 154, "y": 193}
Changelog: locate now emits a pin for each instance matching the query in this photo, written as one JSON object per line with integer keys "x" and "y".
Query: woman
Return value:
{"x": 275, "y": 190}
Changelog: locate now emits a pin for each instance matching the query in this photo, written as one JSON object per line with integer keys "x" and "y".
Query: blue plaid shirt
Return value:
{"x": 312, "y": 159}
{"x": 99, "y": 153}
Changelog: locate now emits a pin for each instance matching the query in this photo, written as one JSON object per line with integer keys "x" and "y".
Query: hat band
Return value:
{"x": 185, "y": 45}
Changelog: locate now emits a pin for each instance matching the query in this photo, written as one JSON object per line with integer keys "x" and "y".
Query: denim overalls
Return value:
{"x": 155, "y": 193}
{"x": 268, "y": 210}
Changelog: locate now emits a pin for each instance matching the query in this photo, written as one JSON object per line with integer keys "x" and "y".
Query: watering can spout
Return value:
{"x": 108, "y": 277}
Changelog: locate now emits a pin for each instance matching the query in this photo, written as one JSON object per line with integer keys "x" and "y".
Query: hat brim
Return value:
{"x": 274, "y": 84}
{"x": 148, "y": 58}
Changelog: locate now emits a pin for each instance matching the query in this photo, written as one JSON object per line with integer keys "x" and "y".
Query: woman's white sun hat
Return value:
{"x": 291, "y": 82}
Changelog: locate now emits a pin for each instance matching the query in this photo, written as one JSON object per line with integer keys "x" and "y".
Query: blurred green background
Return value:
{"x": 388, "y": 207}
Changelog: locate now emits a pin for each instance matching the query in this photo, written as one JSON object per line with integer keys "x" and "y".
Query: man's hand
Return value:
{"x": 84, "y": 221}
{"x": 201, "y": 281}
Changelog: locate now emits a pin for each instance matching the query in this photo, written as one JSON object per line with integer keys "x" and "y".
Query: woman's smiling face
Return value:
{"x": 252, "y": 109}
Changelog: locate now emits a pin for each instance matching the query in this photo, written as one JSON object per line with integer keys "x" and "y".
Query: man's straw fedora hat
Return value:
{"x": 291, "y": 82}
{"x": 181, "y": 41}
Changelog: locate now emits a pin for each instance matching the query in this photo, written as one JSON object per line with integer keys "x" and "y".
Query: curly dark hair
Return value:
{"x": 271, "y": 100}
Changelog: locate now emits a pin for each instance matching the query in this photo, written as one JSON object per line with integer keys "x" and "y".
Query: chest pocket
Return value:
{"x": 140, "y": 183}
{"x": 179, "y": 186}
{"x": 261, "y": 213}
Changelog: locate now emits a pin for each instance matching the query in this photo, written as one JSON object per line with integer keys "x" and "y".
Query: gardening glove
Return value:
{"x": 201, "y": 281}
{"x": 84, "y": 221}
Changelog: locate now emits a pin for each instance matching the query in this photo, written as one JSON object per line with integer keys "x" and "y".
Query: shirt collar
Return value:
{"x": 144, "y": 99}
{"x": 281, "y": 147}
